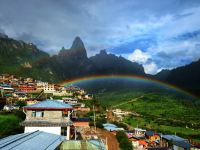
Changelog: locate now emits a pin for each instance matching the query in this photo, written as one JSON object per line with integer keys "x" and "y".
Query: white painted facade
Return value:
{"x": 54, "y": 130}
{"x": 49, "y": 88}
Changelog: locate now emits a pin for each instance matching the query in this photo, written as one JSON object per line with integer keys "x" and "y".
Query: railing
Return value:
{"x": 48, "y": 122}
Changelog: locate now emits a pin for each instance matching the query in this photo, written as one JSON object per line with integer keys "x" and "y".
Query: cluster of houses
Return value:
{"x": 113, "y": 115}
{"x": 146, "y": 139}
{"x": 14, "y": 89}
{"x": 52, "y": 124}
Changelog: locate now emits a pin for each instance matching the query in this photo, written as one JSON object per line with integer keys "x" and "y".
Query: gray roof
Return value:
{"x": 182, "y": 144}
{"x": 176, "y": 140}
{"x": 37, "y": 140}
{"x": 173, "y": 138}
{"x": 51, "y": 104}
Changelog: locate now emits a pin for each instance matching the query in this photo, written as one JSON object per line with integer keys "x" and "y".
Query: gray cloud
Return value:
{"x": 101, "y": 24}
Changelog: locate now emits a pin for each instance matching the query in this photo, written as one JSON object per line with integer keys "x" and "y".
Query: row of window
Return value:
{"x": 38, "y": 113}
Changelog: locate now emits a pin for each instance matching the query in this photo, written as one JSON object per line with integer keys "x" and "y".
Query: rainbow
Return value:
{"x": 126, "y": 77}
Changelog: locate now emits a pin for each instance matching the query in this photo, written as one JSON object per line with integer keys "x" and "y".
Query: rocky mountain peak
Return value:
{"x": 78, "y": 47}
{"x": 103, "y": 52}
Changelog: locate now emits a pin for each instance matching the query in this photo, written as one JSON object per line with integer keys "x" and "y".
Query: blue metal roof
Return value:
{"x": 109, "y": 125}
{"x": 37, "y": 140}
{"x": 173, "y": 138}
{"x": 49, "y": 104}
{"x": 178, "y": 141}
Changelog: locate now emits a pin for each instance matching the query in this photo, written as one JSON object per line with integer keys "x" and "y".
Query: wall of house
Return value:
{"x": 177, "y": 148}
{"x": 54, "y": 130}
{"x": 48, "y": 115}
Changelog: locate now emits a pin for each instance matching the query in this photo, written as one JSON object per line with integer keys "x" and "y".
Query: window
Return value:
{"x": 38, "y": 113}
{"x": 64, "y": 131}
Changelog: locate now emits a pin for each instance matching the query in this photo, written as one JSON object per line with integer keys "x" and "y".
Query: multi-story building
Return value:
{"x": 49, "y": 116}
{"x": 49, "y": 88}
{"x": 27, "y": 87}
{"x": 40, "y": 85}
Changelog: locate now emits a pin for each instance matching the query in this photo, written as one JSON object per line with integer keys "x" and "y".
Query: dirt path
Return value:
{"x": 133, "y": 100}
{"x": 111, "y": 139}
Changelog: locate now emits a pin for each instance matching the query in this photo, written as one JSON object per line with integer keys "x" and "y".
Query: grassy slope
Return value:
{"x": 162, "y": 112}
{"x": 10, "y": 123}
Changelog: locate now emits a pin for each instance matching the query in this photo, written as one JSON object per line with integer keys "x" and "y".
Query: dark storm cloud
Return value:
{"x": 110, "y": 24}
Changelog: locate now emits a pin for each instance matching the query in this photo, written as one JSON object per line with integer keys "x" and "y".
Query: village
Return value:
{"x": 57, "y": 118}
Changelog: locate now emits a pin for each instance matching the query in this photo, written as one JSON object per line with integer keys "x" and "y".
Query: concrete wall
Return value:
{"x": 48, "y": 115}
{"x": 54, "y": 130}
{"x": 177, "y": 147}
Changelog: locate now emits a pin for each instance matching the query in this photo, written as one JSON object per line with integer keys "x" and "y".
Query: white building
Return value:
{"x": 49, "y": 116}
{"x": 49, "y": 88}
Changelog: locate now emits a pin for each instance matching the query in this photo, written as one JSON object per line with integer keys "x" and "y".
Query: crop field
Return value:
{"x": 162, "y": 112}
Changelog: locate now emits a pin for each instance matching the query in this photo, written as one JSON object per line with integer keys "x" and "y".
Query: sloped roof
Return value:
{"x": 173, "y": 138}
{"x": 176, "y": 140}
{"x": 37, "y": 140}
{"x": 49, "y": 104}
{"x": 81, "y": 119}
{"x": 149, "y": 133}
{"x": 109, "y": 125}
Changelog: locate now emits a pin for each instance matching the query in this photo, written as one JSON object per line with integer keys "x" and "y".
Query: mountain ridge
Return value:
{"x": 21, "y": 58}
{"x": 67, "y": 64}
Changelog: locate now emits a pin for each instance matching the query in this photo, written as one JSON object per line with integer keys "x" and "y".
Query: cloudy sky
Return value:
{"x": 159, "y": 34}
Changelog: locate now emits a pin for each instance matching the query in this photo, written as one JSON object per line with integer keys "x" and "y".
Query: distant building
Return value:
{"x": 111, "y": 127}
{"x": 40, "y": 85}
{"x": 70, "y": 100}
{"x": 152, "y": 136}
{"x": 27, "y": 88}
{"x": 49, "y": 88}
{"x": 176, "y": 142}
{"x": 138, "y": 132}
{"x": 31, "y": 102}
{"x": 88, "y": 96}
{"x": 20, "y": 95}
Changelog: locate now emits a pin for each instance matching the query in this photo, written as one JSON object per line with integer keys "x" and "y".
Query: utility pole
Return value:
{"x": 94, "y": 119}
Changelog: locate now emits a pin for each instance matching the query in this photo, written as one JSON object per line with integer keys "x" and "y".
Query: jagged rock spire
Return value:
{"x": 78, "y": 47}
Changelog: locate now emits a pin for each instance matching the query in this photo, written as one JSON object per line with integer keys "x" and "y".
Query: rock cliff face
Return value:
{"x": 77, "y": 50}
{"x": 187, "y": 77}
{"x": 111, "y": 64}
{"x": 14, "y": 54}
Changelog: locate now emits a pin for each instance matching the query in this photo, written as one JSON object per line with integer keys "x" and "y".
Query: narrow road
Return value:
{"x": 133, "y": 100}
{"x": 111, "y": 139}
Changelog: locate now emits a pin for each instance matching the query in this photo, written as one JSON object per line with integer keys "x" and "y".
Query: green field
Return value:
{"x": 10, "y": 123}
{"x": 162, "y": 112}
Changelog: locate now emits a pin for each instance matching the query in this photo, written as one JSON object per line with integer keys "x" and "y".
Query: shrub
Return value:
{"x": 124, "y": 143}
